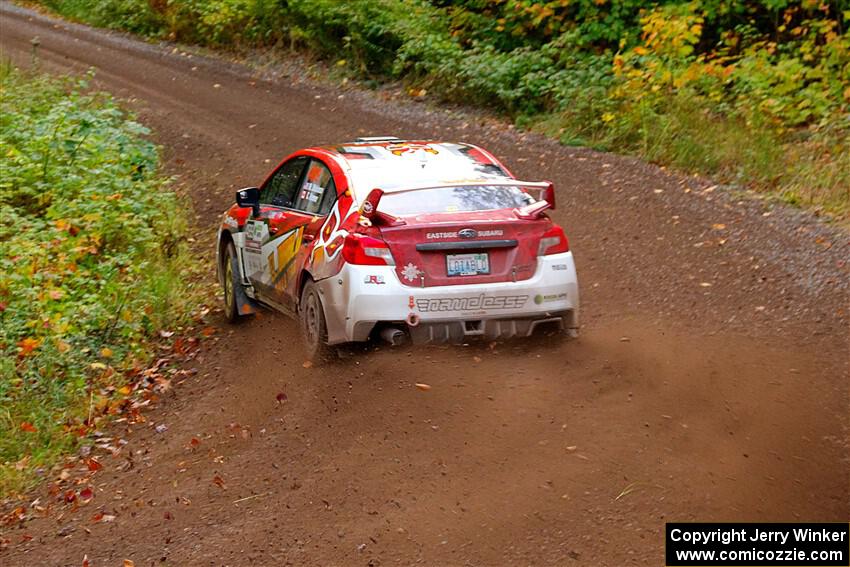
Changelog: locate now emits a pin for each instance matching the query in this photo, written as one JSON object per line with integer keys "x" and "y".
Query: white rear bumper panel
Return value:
{"x": 360, "y": 296}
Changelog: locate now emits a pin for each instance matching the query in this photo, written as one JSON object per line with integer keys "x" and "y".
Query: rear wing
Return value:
{"x": 546, "y": 199}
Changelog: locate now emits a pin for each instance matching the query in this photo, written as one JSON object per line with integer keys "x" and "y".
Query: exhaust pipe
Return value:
{"x": 393, "y": 336}
{"x": 412, "y": 320}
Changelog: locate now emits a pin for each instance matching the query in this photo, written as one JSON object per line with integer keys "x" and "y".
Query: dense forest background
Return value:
{"x": 755, "y": 92}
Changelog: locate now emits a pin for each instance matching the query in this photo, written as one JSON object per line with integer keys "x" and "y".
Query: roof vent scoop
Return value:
{"x": 368, "y": 139}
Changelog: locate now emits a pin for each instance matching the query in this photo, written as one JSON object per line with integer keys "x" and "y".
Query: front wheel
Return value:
{"x": 231, "y": 286}
{"x": 313, "y": 326}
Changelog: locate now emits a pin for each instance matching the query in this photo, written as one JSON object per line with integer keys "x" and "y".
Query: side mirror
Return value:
{"x": 548, "y": 194}
{"x": 249, "y": 197}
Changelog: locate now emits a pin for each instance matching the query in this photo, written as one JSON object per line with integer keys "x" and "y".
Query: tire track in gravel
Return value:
{"x": 711, "y": 410}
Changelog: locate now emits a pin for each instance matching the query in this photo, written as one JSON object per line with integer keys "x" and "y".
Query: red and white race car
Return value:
{"x": 434, "y": 240}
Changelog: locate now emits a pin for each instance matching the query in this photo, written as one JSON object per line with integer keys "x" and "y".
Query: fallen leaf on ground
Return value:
{"x": 28, "y": 427}
{"x": 129, "y": 563}
{"x": 28, "y": 345}
{"x": 101, "y": 517}
{"x": 823, "y": 242}
{"x": 16, "y": 515}
{"x": 423, "y": 387}
{"x": 93, "y": 464}
{"x": 281, "y": 397}
{"x": 218, "y": 481}
{"x": 307, "y": 364}
{"x": 628, "y": 490}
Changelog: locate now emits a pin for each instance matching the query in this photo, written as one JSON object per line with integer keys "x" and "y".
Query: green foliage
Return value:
{"x": 366, "y": 32}
{"x": 90, "y": 246}
{"x": 607, "y": 72}
{"x": 136, "y": 16}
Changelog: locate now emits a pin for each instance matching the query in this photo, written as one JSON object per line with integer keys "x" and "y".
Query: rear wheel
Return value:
{"x": 231, "y": 286}
{"x": 313, "y": 326}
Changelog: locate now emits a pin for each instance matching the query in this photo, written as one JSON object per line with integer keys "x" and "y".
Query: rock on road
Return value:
{"x": 710, "y": 382}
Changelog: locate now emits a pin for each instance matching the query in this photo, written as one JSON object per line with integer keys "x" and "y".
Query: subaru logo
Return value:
{"x": 467, "y": 233}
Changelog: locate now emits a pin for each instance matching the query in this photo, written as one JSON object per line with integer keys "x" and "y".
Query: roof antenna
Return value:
{"x": 372, "y": 139}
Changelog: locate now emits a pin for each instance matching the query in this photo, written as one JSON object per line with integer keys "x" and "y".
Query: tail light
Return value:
{"x": 554, "y": 241}
{"x": 366, "y": 250}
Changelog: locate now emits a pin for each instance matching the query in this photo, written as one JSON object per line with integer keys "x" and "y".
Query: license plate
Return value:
{"x": 467, "y": 264}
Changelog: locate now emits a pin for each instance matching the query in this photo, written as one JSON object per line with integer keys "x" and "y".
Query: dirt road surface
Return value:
{"x": 710, "y": 382}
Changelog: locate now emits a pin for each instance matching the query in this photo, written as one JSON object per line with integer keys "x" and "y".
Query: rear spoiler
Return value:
{"x": 369, "y": 208}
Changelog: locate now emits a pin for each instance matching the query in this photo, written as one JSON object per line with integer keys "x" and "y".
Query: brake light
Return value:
{"x": 365, "y": 250}
{"x": 554, "y": 241}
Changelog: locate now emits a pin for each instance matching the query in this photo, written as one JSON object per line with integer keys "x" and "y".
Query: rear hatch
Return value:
{"x": 465, "y": 248}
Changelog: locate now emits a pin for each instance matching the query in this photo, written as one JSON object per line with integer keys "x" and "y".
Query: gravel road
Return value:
{"x": 710, "y": 382}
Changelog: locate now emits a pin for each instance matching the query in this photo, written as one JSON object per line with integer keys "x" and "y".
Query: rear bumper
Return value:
{"x": 360, "y": 297}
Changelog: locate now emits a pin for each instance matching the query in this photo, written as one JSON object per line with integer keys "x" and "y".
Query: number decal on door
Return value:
{"x": 254, "y": 233}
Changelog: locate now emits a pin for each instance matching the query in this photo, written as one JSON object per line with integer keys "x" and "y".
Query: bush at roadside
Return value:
{"x": 90, "y": 264}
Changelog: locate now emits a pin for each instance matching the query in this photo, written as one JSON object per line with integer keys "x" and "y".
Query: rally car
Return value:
{"x": 382, "y": 237}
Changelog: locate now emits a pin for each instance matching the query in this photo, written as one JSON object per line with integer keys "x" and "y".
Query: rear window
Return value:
{"x": 454, "y": 200}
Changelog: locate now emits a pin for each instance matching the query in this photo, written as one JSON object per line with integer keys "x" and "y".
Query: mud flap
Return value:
{"x": 244, "y": 304}
{"x": 569, "y": 324}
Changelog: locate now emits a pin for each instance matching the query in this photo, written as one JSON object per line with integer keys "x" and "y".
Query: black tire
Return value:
{"x": 231, "y": 286}
{"x": 314, "y": 330}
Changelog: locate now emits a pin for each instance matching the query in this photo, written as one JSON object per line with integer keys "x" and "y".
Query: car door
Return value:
{"x": 293, "y": 206}
{"x": 316, "y": 195}
{"x": 275, "y": 225}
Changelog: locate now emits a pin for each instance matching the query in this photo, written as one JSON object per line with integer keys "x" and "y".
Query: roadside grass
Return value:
{"x": 809, "y": 169}
{"x": 689, "y": 138}
{"x": 818, "y": 171}
{"x": 93, "y": 263}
